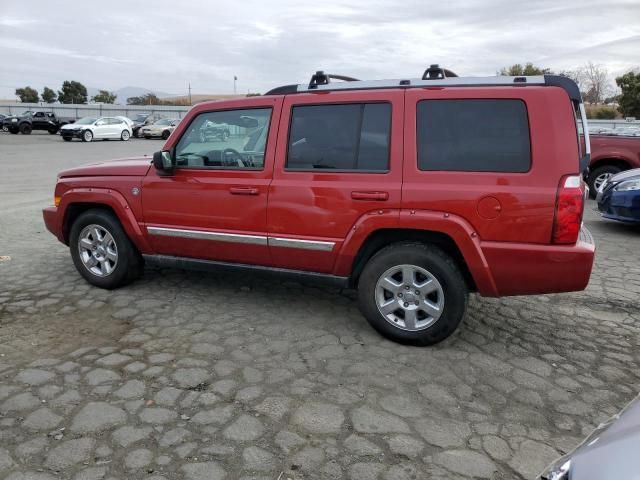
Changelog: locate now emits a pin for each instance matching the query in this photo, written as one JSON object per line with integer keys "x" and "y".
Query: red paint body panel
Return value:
{"x": 607, "y": 147}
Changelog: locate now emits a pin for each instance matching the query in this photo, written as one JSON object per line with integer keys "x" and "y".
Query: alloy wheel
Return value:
{"x": 98, "y": 250}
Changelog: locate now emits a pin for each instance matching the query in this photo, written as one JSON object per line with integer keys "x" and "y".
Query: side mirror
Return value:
{"x": 163, "y": 163}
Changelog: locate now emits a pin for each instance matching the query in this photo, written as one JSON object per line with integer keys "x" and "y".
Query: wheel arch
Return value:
{"x": 382, "y": 238}
{"x": 619, "y": 162}
{"x": 74, "y": 210}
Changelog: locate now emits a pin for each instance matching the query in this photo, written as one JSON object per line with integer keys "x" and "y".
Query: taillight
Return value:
{"x": 569, "y": 208}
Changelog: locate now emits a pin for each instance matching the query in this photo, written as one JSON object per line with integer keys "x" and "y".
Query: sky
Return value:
{"x": 165, "y": 45}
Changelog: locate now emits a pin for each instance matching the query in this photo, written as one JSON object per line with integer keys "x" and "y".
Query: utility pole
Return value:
{"x": 235, "y": 79}
{"x": 190, "y": 94}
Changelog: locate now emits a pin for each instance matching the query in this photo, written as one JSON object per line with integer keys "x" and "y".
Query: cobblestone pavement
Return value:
{"x": 211, "y": 376}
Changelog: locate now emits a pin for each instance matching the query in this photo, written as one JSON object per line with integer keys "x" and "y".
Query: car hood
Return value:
{"x": 72, "y": 126}
{"x": 626, "y": 175}
{"x": 611, "y": 450}
{"x": 135, "y": 167}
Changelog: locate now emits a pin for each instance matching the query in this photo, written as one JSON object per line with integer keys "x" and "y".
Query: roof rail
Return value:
{"x": 321, "y": 82}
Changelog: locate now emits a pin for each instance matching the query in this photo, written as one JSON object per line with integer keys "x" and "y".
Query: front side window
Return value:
{"x": 476, "y": 135}
{"x": 229, "y": 139}
{"x": 340, "y": 137}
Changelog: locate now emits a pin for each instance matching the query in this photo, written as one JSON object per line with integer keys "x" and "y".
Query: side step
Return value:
{"x": 167, "y": 261}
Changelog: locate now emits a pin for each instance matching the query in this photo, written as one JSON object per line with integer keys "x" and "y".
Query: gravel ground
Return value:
{"x": 205, "y": 376}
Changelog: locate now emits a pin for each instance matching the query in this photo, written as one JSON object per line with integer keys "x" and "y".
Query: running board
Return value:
{"x": 186, "y": 263}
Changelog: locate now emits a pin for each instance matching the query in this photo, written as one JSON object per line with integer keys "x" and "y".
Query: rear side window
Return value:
{"x": 473, "y": 135}
{"x": 340, "y": 137}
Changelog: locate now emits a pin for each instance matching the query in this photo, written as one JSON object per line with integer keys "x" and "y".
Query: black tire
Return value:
{"x": 129, "y": 261}
{"x": 66, "y": 139}
{"x": 87, "y": 136}
{"x": 14, "y": 130}
{"x": 53, "y": 131}
{"x": 25, "y": 129}
{"x": 440, "y": 266}
{"x": 598, "y": 172}
{"x": 166, "y": 134}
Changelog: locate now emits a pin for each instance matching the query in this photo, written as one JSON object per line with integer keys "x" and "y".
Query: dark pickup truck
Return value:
{"x": 611, "y": 154}
{"x": 31, "y": 120}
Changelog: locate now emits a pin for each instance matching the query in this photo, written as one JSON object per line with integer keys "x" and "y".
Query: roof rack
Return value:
{"x": 434, "y": 76}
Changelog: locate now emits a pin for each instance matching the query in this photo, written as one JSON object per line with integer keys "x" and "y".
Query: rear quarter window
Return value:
{"x": 473, "y": 135}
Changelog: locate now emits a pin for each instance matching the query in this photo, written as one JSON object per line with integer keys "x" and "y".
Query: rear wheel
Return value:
{"x": 25, "y": 129}
{"x": 413, "y": 293}
{"x": 101, "y": 251}
{"x": 600, "y": 175}
{"x": 87, "y": 136}
{"x": 166, "y": 134}
{"x": 125, "y": 136}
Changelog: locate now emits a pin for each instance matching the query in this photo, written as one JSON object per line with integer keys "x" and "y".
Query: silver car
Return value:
{"x": 611, "y": 452}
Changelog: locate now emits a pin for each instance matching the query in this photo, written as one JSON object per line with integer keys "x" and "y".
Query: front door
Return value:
{"x": 214, "y": 206}
{"x": 339, "y": 160}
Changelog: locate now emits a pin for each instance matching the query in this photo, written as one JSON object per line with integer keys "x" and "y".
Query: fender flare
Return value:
{"x": 453, "y": 226}
{"x": 112, "y": 199}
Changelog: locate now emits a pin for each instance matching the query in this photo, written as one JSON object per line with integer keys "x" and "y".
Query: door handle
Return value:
{"x": 376, "y": 196}
{"x": 244, "y": 191}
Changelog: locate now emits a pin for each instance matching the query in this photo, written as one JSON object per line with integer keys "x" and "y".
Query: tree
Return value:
{"x": 48, "y": 95}
{"x": 148, "y": 99}
{"x": 27, "y": 95}
{"x": 517, "y": 70}
{"x": 594, "y": 80}
{"x": 629, "y": 99}
{"x": 104, "y": 96}
{"x": 72, "y": 92}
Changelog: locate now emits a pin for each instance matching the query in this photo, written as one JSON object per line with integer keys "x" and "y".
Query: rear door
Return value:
{"x": 339, "y": 158}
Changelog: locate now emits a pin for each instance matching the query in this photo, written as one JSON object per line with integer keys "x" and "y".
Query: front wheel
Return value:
{"x": 600, "y": 175}
{"x": 53, "y": 131}
{"x": 413, "y": 293}
{"x": 14, "y": 130}
{"x": 125, "y": 135}
{"x": 87, "y": 136}
{"x": 166, "y": 134}
{"x": 66, "y": 139}
{"x": 101, "y": 251}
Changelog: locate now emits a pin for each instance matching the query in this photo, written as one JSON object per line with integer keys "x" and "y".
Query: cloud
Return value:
{"x": 166, "y": 46}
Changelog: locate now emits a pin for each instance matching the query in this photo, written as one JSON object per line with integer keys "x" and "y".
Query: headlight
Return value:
{"x": 628, "y": 185}
{"x": 558, "y": 470}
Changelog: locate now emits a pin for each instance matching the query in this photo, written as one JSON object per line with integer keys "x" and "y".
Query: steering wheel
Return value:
{"x": 232, "y": 158}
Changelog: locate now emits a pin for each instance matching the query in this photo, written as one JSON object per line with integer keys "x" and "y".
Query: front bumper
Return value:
{"x": 621, "y": 206}
{"x": 53, "y": 222}
{"x": 531, "y": 269}
{"x": 71, "y": 133}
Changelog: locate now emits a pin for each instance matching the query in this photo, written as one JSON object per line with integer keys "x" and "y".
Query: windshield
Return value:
{"x": 27, "y": 113}
{"x": 85, "y": 121}
{"x": 141, "y": 117}
{"x": 164, "y": 121}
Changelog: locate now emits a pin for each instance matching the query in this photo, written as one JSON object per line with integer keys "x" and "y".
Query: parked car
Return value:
{"x": 414, "y": 191}
{"x": 619, "y": 197}
{"x": 5, "y": 128}
{"x": 214, "y": 131}
{"x": 31, "y": 120}
{"x": 103, "y": 128}
{"x": 611, "y": 154}
{"x": 141, "y": 120}
{"x": 610, "y": 452}
{"x": 160, "y": 129}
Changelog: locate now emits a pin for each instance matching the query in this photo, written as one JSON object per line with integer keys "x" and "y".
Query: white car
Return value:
{"x": 162, "y": 128}
{"x": 103, "y": 128}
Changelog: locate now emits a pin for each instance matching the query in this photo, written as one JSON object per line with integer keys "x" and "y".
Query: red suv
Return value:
{"x": 415, "y": 191}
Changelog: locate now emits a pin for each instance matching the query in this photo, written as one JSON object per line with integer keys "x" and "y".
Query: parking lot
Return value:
{"x": 211, "y": 376}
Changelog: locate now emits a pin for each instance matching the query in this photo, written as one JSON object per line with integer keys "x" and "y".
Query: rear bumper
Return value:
{"x": 530, "y": 269}
{"x": 53, "y": 222}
